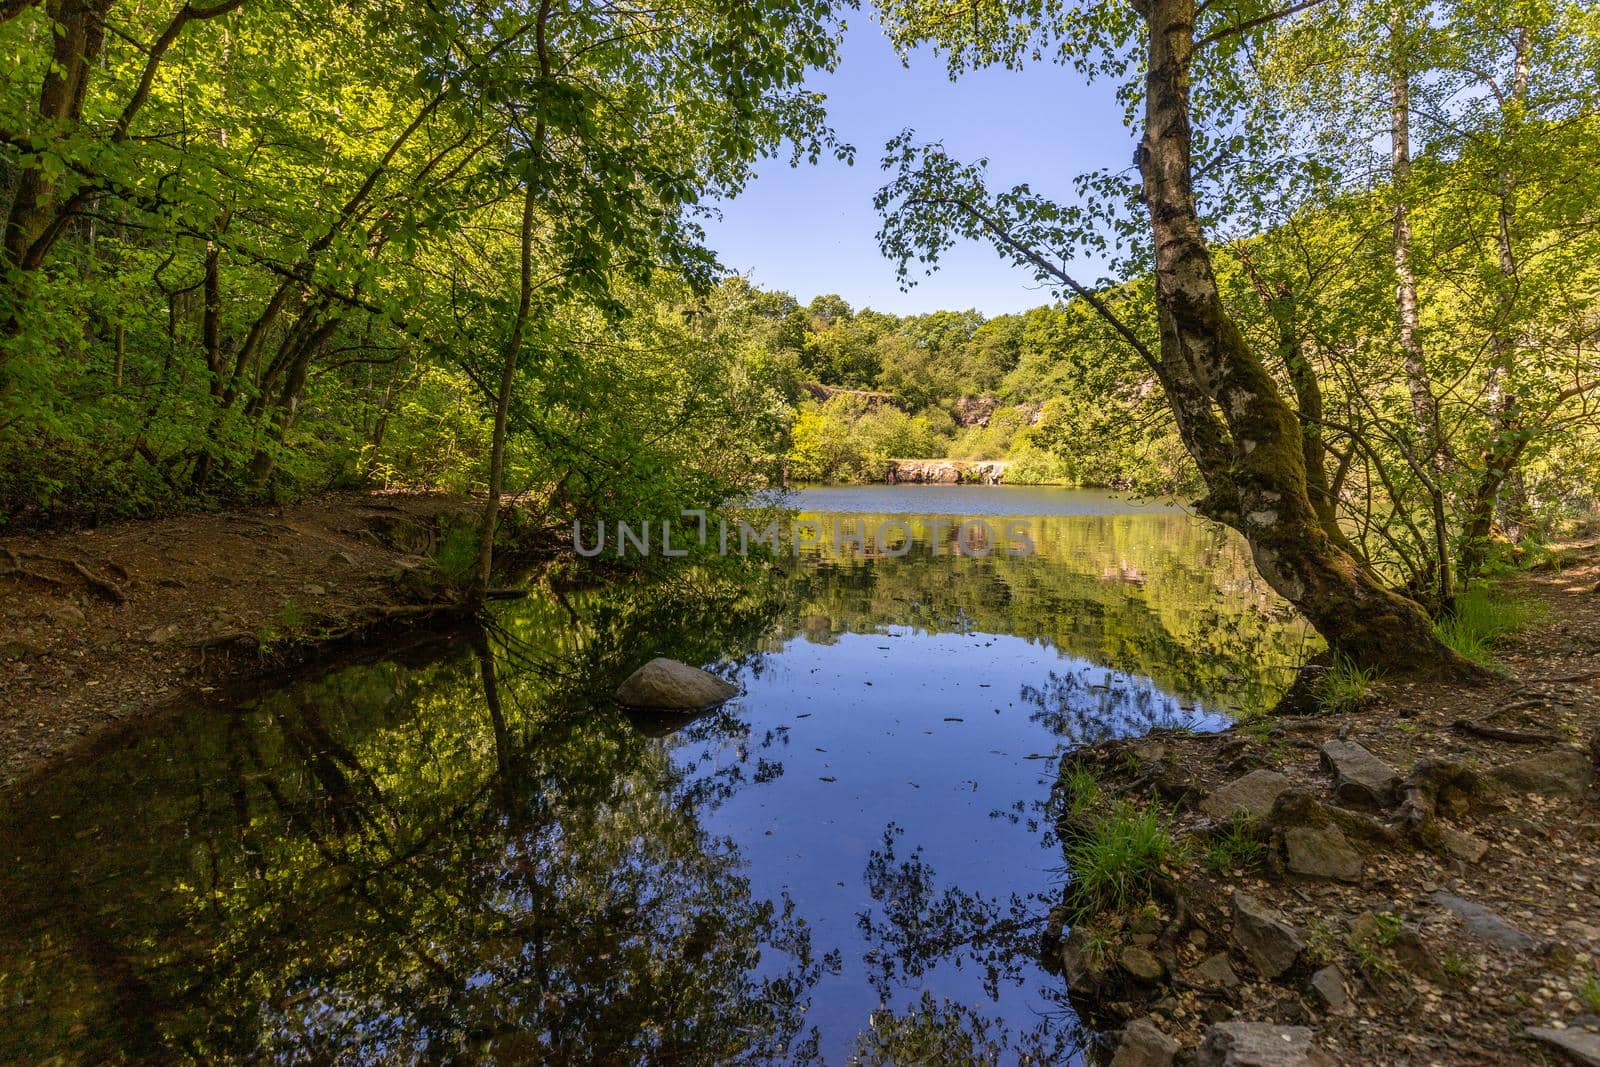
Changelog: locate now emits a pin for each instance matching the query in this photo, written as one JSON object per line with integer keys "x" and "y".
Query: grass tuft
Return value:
{"x": 1589, "y": 992}
{"x": 1481, "y": 619}
{"x": 1343, "y": 687}
{"x": 1115, "y": 861}
{"x": 1239, "y": 849}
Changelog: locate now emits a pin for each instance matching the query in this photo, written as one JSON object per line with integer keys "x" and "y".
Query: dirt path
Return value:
{"x": 103, "y": 624}
{"x": 1427, "y": 874}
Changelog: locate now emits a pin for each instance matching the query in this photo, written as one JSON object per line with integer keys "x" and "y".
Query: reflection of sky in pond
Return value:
{"x": 416, "y": 857}
{"x": 945, "y": 742}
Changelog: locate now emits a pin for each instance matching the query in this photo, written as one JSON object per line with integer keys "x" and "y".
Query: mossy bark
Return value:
{"x": 1245, "y": 438}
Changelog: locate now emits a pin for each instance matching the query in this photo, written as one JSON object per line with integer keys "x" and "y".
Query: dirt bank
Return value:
{"x": 1416, "y": 882}
{"x": 103, "y": 624}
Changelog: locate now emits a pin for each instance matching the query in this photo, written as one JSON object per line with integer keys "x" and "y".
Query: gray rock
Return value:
{"x": 1083, "y": 962}
{"x": 1249, "y": 1044}
{"x": 1462, "y": 845}
{"x": 1483, "y": 922}
{"x": 1581, "y": 1045}
{"x": 666, "y": 683}
{"x": 1267, "y": 941}
{"x": 1144, "y": 1045}
{"x": 1253, "y": 794}
{"x": 1321, "y": 852}
{"x": 1559, "y": 772}
{"x": 1217, "y": 971}
{"x": 1360, "y": 778}
{"x": 1330, "y": 988}
{"x": 1142, "y": 964}
{"x": 162, "y": 634}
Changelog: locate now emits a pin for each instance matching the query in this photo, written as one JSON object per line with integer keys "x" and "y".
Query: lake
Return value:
{"x": 459, "y": 849}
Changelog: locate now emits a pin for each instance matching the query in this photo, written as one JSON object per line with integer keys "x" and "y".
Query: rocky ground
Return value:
{"x": 1417, "y": 882}
{"x": 102, "y": 624}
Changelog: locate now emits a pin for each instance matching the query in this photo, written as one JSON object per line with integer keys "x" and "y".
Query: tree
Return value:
{"x": 1230, "y": 411}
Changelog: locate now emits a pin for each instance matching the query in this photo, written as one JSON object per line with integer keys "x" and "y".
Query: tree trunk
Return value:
{"x": 508, "y": 374}
{"x": 1251, "y": 446}
{"x": 1511, "y": 432}
{"x": 1424, "y": 405}
{"x": 519, "y": 326}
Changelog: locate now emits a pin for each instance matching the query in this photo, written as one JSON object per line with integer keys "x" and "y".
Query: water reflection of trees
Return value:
{"x": 913, "y": 927}
{"x": 1160, "y": 596}
{"x": 456, "y": 857}
{"x": 408, "y": 864}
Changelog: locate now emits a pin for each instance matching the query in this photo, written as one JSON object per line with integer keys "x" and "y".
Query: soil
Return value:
{"x": 103, "y": 624}
{"x": 1424, "y": 985}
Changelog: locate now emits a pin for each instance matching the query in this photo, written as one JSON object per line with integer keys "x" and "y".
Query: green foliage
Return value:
{"x": 254, "y": 276}
{"x": 1482, "y": 618}
{"x": 1343, "y": 687}
{"x": 1115, "y": 860}
{"x": 1589, "y": 990}
{"x": 1238, "y": 848}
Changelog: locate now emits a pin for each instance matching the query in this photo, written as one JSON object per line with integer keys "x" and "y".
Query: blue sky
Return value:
{"x": 812, "y": 230}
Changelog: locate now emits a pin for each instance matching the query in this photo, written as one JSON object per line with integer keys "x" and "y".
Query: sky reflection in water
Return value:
{"x": 419, "y": 858}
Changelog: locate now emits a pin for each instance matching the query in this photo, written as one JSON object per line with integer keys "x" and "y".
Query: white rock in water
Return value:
{"x": 666, "y": 683}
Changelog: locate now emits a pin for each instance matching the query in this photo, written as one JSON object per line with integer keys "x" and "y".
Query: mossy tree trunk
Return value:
{"x": 1245, "y": 438}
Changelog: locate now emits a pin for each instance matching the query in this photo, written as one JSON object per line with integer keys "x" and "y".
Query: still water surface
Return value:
{"x": 461, "y": 851}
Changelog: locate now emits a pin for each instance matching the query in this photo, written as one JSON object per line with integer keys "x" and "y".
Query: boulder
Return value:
{"x": 1462, "y": 845}
{"x": 1558, "y": 772}
{"x": 1484, "y": 923}
{"x": 1142, "y": 964}
{"x": 1249, "y": 1044}
{"x": 1267, "y": 941}
{"x": 666, "y": 683}
{"x": 1360, "y": 778}
{"x": 1329, "y": 985}
{"x": 1252, "y": 794}
{"x": 1217, "y": 971}
{"x": 1321, "y": 852}
{"x": 1581, "y": 1045}
{"x": 1144, "y": 1045}
{"x": 1083, "y": 962}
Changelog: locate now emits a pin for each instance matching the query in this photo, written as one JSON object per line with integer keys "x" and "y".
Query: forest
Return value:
{"x": 325, "y": 325}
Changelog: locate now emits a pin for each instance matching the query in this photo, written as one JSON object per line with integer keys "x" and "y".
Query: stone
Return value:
{"x": 162, "y": 634}
{"x": 1217, "y": 971}
{"x": 1581, "y": 1045}
{"x": 1559, "y": 772}
{"x": 1144, "y": 1045}
{"x": 1250, "y": 1044}
{"x": 1360, "y": 778}
{"x": 1253, "y": 794}
{"x": 1462, "y": 845}
{"x": 1083, "y": 962}
{"x": 1321, "y": 852}
{"x": 666, "y": 683}
{"x": 1329, "y": 985}
{"x": 1267, "y": 941}
{"x": 1142, "y": 964}
{"x": 1483, "y": 923}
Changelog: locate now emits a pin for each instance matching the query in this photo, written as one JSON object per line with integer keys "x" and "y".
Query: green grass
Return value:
{"x": 1080, "y": 791}
{"x": 1481, "y": 619}
{"x": 1114, "y": 862}
{"x": 1239, "y": 849}
{"x": 1343, "y": 687}
{"x": 1589, "y": 992}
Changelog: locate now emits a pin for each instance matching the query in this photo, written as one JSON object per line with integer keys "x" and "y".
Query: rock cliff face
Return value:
{"x": 946, "y": 471}
{"x": 974, "y": 410}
